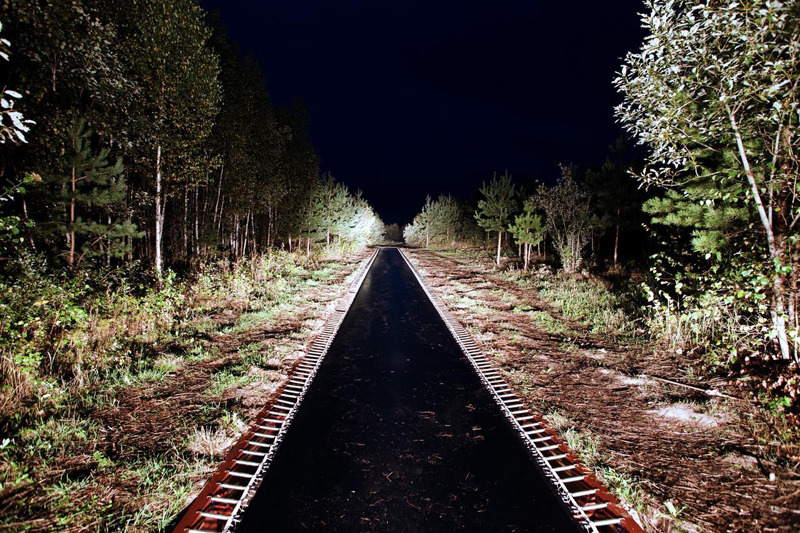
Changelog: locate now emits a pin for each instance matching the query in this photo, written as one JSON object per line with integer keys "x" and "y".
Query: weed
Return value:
{"x": 591, "y": 301}
{"x": 672, "y": 516}
{"x": 69, "y": 347}
{"x": 167, "y": 364}
{"x": 55, "y": 437}
{"x": 208, "y": 441}
{"x": 546, "y": 322}
{"x": 624, "y": 486}
{"x": 167, "y": 485}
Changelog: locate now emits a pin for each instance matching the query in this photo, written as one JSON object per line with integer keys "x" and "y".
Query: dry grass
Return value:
{"x": 675, "y": 474}
{"x": 127, "y": 449}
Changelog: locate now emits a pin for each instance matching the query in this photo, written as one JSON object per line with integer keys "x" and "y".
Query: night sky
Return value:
{"x": 426, "y": 97}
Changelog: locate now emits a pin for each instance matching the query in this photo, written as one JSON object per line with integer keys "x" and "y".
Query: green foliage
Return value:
{"x": 12, "y": 226}
{"x": 13, "y": 126}
{"x": 498, "y": 204}
{"x": 443, "y": 222}
{"x": 59, "y": 329}
{"x": 713, "y": 94}
{"x": 213, "y": 173}
{"x": 567, "y": 209}
{"x": 186, "y": 112}
{"x": 90, "y": 191}
{"x": 592, "y": 301}
{"x": 393, "y": 233}
{"x": 334, "y": 214}
{"x": 617, "y": 197}
{"x": 528, "y": 229}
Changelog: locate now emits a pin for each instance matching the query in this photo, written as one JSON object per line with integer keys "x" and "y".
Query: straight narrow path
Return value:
{"x": 397, "y": 434}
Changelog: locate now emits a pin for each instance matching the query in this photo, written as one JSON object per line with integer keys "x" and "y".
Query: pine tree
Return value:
{"x": 446, "y": 219}
{"x": 87, "y": 191}
{"x": 528, "y": 229}
{"x": 618, "y": 199}
{"x": 498, "y": 204}
{"x": 719, "y": 82}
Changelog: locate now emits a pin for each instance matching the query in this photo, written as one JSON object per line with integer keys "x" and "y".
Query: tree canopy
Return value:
{"x": 713, "y": 94}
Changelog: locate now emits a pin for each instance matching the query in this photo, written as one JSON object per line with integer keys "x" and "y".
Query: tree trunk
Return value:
{"x": 235, "y": 238}
{"x": 159, "y": 215}
{"x": 108, "y": 243}
{"x": 527, "y": 252}
{"x": 246, "y": 229}
{"x": 217, "y": 206}
{"x": 544, "y": 247}
{"x": 71, "y": 260}
{"x": 130, "y": 245}
{"x": 793, "y": 296}
{"x": 499, "y": 245}
{"x": 186, "y": 222}
{"x": 616, "y": 245}
{"x": 196, "y": 246}
{"x": 221, "y": 211}
{"x": 776, "y": 248}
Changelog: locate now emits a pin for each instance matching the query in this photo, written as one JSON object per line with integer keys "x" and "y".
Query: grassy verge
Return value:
{"x": 606, "y": 308}
{"x": 116, "y": 404}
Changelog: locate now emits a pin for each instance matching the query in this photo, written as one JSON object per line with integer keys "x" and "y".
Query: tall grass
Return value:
{"x": 61, "y": 332}
{"x": 591, "y": 301}
{"x": 71, "y": 345}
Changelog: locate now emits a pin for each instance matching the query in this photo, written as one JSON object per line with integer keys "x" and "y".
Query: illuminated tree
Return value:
{"x": 568, "y": 213}
{"x": 13, "y": 126}
{"x": 714, "y": 95}
{"x": 495, "y": 209}
{"x": 179, "y": 95}
{"x": 528, "y": 229}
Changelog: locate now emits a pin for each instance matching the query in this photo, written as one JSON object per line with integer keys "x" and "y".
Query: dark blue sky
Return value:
{"x": 425, "y": 97}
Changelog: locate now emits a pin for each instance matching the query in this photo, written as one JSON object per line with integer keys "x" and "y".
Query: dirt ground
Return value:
{"x": 684, "y": 460}
{"x": 158, "y": 423}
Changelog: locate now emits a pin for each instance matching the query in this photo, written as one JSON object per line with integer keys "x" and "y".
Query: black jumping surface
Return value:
{"x": 396, "y": 433}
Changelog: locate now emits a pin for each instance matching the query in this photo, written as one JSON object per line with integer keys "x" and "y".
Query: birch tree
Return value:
{"x": 719, "y": 82}
{"x": 568, "y": 213}
{"x": 13, "y": 126}
{"x": 495, "y": 209}
{"x": 177, "y": 73}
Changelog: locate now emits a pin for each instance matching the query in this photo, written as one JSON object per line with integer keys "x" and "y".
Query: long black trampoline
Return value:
{"x": 397, "y": 434}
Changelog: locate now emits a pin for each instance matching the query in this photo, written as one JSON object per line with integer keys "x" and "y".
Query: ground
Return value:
{"x": 135, "y": 449}
{"x": 680, "y": 458}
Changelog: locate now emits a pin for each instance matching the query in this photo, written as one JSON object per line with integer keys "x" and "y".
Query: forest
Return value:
{"x": 148, "y": 145}
{"x": 143, "y": 161}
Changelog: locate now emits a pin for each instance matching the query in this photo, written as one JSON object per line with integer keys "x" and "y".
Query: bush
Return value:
{"x": 59, "y": 330}
{"x": 592, "y": 301}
